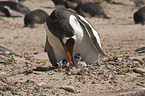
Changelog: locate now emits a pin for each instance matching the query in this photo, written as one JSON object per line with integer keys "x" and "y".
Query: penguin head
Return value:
{"x": 68, "y": 44}
{"x": 29, "y": 21}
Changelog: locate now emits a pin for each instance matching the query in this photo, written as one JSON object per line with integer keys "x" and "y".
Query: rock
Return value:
{"x": 140, "y": 50}
{"x": 139, "y": 70}
{"x": 139, "y": 60}
{"x": 110, "y": 66}
{"x": 28, "y": 72}
{"x": 68, "y": 88}
{"x": 82, "y": 64}
{"x": 139, "y": 57}
{"x": 93, "y": 82}
{"x": 3, "y": 73}
{"x": 29, "y": 82}
{"x": 4, "y": 49}
{"x": 44, "y": 85}
{"x": 58, "y": 95}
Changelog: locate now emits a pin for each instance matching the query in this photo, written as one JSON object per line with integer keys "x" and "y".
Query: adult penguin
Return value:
{"x": 139, "y": 16}
{"x": 69, "y": 34}
{"x": 16, "y": 6}
{"x": 91, "y": 9}
{"x": 37, "y": 16}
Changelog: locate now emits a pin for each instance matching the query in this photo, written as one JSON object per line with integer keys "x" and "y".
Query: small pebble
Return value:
{"x": 139, "y": 60}
{"x": 93, "y": 82}
{"x": 68, "y": 88}
{"x": 82, "y": 64}
{"x": 44, "y": 85}
{"x": 139, "y": 70}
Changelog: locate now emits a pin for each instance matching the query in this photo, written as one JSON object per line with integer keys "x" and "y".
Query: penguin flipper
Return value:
{"x": 93, "y": 35}
{"x": 50, "y": 53}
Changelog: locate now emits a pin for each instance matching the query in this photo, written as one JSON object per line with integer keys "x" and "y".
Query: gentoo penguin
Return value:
{"x": 74, "y": 3}
{"x": 91, "y": 9}
{"x": 37, "y": 16}
{"x": 139, "y": 16}
{"x": 68, "y": 34}
{"x": 59, "y": 3}
{"x": 16, "y": 6}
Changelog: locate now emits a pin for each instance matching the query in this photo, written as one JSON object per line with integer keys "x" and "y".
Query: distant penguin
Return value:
{"x": 36, "y": 16}
{"x": 91, "y": 9}
{"x": 16, "y": 6}
{"x": 13, "y": 13}
{"x": 21, "y": 0}
{"x": 74, "y": 3}
{"x": 139, "y": 16}
{"x": 108, "y": 0}
{"x": 139, "y": 2}
{"x": 4, "y": 11}
{"x": 59, "y": 3}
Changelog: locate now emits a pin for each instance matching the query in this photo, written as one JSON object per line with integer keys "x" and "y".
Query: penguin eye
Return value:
{"x": 70, "y": 42}
{"x": 65, "y": 39}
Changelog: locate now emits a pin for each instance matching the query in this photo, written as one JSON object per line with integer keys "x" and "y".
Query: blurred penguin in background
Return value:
{"x": 37, "y": 16}
{"x": 139, "y": 16}
{"x": 91, "y": 9}
{"x": 59, "y": 3}
{"x": 4, "y": 12}
{"x": 74, "y": 3}
{"x": 14, "y": 6}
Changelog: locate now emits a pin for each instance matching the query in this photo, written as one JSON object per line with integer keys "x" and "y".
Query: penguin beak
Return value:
{"x": 69, "y": 55}
{"x": 68, "y": 47}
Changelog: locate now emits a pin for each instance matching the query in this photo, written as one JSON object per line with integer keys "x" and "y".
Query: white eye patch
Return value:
{"x": 64, "y": 39}
{"x": 74, "y": 37}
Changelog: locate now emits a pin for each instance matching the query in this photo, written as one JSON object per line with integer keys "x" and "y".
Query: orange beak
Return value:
{"x": 68, "y": 47}
{"x": 68, "y": 55}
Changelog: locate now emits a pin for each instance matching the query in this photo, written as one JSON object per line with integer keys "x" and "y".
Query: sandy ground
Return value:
{"x": 117, "y": 74}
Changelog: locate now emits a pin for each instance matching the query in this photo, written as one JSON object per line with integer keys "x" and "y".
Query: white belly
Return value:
{"x": 88, "y": 52}
{"x": 83, "y": 45}
{"x": 57, "y": 46}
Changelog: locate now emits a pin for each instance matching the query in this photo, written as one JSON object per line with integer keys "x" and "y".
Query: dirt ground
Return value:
{"x": 28, "y": 71}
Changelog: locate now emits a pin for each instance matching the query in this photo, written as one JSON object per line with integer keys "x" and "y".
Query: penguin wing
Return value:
{"x": 50, "y": 53}
{"x": 93, "y": 35}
